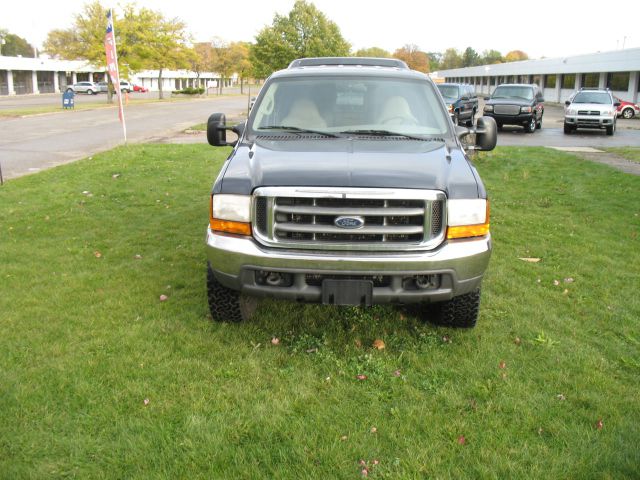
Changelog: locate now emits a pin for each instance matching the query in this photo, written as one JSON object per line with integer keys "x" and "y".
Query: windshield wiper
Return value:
{"x": 290, "y": 128}
{"x": 384, "y": 133}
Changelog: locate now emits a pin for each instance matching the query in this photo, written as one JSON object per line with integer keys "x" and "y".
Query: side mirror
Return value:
{"x": 616, "y": 104}
{"x": 567, "y": 103}
{"x": 486, "y": 134}
{"x": 487, "y": 98}
{"x": 464, "y": 98}
{"x": 217, "y": 131}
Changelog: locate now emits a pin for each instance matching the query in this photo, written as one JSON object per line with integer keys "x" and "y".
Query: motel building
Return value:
{"x": 617, "y": 70}
{"x": 34, "y": 76}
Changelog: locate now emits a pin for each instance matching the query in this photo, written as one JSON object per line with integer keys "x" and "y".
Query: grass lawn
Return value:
{"x": 100, "y": 379}
{"x": 630, "y": 153}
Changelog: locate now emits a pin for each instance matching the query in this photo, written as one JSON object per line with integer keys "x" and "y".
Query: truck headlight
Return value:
{"x": 488, "y": 108}
{"x": 571, "y": 111}
{"x": 525, "y": 109}
{"x": 230, "y": 213}
{"x": 467, "y": 218}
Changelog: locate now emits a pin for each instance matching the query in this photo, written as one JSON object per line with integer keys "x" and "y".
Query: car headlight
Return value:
{"x": 488, "y": 108}
{"x": 467, "y": 218}
{"x": 230, "y": 213}
{"x": 571, "y": 111}
{"x": 526, "y": 109}
{"x": 608, "y": 112}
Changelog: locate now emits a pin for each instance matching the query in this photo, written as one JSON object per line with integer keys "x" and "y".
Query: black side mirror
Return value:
{"x": 617, "y": 104}
{"x": 487, "y": 98}
{"x": 486, "y": 133}
{"x": 567, "y": 103}
{"x": 217, "y": 131}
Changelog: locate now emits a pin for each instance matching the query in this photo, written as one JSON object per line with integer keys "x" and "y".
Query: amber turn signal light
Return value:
{"x": 239, "y": 228}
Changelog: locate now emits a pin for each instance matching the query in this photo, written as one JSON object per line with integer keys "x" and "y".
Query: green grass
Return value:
{"x": 84, "y": 339}
{"x": 630, "y": 153}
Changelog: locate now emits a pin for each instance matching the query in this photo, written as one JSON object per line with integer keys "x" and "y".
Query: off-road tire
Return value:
{"x": 227, "y": 305}
{"x": 531, "y": 126}
{"x": 611, "y": 130}
{"x": 568, "y": 128}
{"x": 459, "y": 312}
{"x": 539, "y": 124}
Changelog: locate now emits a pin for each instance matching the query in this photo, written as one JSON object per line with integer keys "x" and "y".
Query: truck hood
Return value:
{"x": 509, "y": 101}
{"x": 350, "y": 162}
{"x": 596, "y": 107}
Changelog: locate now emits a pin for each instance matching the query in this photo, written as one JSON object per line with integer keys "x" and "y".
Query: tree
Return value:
{"x": 375, "y": 52}
{"x": 305, "y": 32}
{"x": 14, "y": 45}
{"x": 491, "y": 57}
{"x": 416, "y": 59}
{"x": 470, "y": 58}
{"x": 451, "y": 59}
{"x": 244, "y": 67}
{"x": 434, "y": 60}
{"x": 516, "y": 56}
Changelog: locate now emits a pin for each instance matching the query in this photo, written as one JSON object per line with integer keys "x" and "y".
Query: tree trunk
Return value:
{"x": 109, "y": 89}
{"x": 160, "y": 95}
{"x": 241, "y": 85}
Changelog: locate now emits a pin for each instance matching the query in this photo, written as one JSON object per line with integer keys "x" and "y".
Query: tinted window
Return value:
{"x": 508, "y": 91}
{"x": 449, "y": 91}
{"x": 592, "y": 97}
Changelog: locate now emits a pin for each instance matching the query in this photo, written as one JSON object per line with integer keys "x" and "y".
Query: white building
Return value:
{"x": 618, "y": 70}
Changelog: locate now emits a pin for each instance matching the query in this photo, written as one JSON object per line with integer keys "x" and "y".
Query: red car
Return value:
{"x": 140, "y": 88}
{"x": 627, "y": 109}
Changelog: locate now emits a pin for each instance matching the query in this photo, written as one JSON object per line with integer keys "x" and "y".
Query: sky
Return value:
{"x": 545, "y": 28}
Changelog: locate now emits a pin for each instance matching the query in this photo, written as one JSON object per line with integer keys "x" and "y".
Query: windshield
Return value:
{"x": 593, "y": 97}
{"x": 349, "y": 105}
{"x": 449, "y": 91}
{"x": 523, "y": 93}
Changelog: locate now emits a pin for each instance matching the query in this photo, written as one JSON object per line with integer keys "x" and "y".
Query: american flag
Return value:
{"x": 112, "y": 67}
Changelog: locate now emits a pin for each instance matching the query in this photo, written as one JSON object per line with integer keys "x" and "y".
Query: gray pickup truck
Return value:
{"x": 349, "y": 185}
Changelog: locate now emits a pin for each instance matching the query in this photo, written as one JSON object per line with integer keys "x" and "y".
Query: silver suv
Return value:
{"x": 590, "y": 108}
{"x": 85, "y": 87}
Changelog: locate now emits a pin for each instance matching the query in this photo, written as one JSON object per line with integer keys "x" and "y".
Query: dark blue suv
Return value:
{"x": 461, "y": 101}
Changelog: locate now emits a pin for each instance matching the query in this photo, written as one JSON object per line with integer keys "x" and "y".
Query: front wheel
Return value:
{"x": 89, "y": 92}
{"x": 568, "y": 128}
{"x": 531, "y": 126}
{"x": 459, "y": 312}
{"x": 628, "y": 113}
{"x": 611, "y": 130}
{"x": 539, "y": 124}
{"x": 226, "y": 304}
{"x": 471, "y": 120}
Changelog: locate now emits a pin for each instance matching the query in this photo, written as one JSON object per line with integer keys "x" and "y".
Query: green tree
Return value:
{"x": 451, "y": 59}
{"x": 305, "y": 32}
{"x": 375, "y": 52}
{"x": 491, "y": 57}
{"x": 434, "y": 60}
{"x": 12, "y": 45}
{"x": 470, "y": 58}
{"x": 412, "y": 56}
{"x": 516, "y": 56}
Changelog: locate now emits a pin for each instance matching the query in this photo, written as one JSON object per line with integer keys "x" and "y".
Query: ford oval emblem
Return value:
{"x": 349, "y": 222}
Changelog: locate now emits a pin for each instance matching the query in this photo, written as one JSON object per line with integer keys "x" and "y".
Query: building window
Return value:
{"x": 537, "y": 79}
{"x": 550, "y": 81}
{"x": 618, "y": 81}
{"x": 569, "y": 81}
{"x": 590, "y": 80}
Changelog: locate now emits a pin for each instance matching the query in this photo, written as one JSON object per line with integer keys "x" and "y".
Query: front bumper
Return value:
{"x": 584, "y": 121}
{"x": 520, "y": 119}
{"x": 458, "y": 266}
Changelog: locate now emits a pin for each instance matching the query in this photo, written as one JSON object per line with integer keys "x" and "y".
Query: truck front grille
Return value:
{"x": 349, "y": 219}
{"x": 589, "y": 112}
{"x": 506, "y": 109}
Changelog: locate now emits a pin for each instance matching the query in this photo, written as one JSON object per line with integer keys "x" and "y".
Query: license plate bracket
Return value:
{"x": 347, "y": 292}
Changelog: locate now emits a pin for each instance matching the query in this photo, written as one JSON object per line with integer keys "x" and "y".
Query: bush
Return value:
{"x": 189, "y": 91}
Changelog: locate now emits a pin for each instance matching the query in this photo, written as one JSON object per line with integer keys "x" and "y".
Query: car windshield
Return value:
{"x": 349, "y": 105}
{"x": 524, "y": 93}
{"x": 602, "y": 98}
{"x": 449, "y": 91}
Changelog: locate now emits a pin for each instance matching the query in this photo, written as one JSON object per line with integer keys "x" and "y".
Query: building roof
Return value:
{"x": 47, "y": 65}
{"x": 627, "y": 60}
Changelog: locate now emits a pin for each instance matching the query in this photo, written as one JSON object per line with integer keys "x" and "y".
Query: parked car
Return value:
{"x": 104, "y": 87}
{"x": 627, "y": 109}
{"x": 516, "y": 104}
{"x": 84, "y": 87}
{"x": 461, "y": 101}
{"x": 125, "y": 87}
{"x": 140, "y": 88}
{"x": 591, "y": 108}
{"x": 348, "y": 185}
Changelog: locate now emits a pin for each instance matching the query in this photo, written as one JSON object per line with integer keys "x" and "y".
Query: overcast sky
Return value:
{"x": 545, "y": 28}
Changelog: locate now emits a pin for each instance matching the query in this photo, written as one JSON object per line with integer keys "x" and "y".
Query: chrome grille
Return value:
{"x": 506, "y": 109}
{"x": 386, "y": 219}
{"x": 588, "y": 112}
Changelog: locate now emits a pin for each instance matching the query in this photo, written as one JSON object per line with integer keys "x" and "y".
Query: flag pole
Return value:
{"x": 112, "y": 68}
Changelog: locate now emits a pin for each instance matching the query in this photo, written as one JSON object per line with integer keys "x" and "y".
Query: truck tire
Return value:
{"x": 539, "y": 124}
{"x": 459, "y": 312}
{"x": 471, "y": 120}
{"x": 226, "y": 304}
{"x": 530, "y": 127}
{"x": 568, "y": 128}
{"x": 611, "y": 129}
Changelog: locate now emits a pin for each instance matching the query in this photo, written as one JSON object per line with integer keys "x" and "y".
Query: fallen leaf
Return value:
{"x": 556, "y": 283}
{"x": 540, "y": 431}
{"x": 146, "y": 401}
{"x": 137, "y": 257}
{"x": 364, "y": 472}
{"x": 502, "y": 365}
{"x": 517, "y": 341}
{"x": 397, "y": 373}
{"x": 561, "y": 397}
{"x": 115, "y": 175}
{"x": 361, "y": 377}
{"x": 568, "y": 280}
{"x": 362, "y": 462}
{"x": 312, "y": 350}
{"x": 376, "y": 462}
{"x": 529, "y": 259}
{"x": 461, "y": 440}
{"x": 599, "y": 424}
{"x": 373, "y": 430}
{"x": 446, "y": 339}
{"x": 358, "y": 343}
{"x": 163, "y": 298}
{"x": 343, "y": 438}
{"x": 275, "y": 341}
{"x": 565, "y": 292}
{"x": 97, "y": 254}
{"x": 378, "y": 344}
